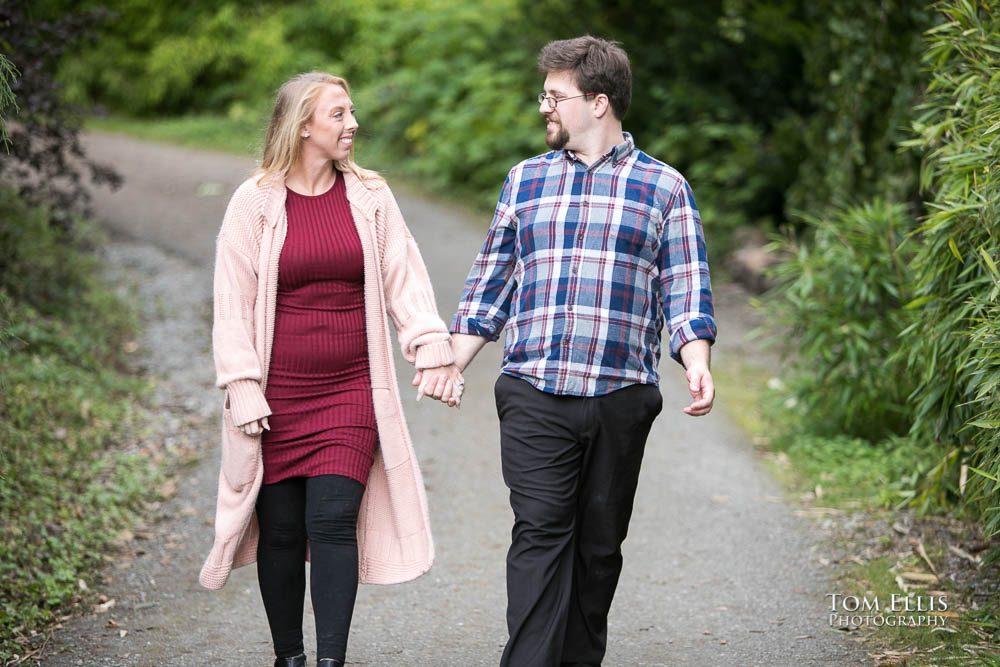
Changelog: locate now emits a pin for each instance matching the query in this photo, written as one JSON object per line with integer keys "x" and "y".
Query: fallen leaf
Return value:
{"x": 923, "y": 554}
{"x": 104, "y": 607}
{"x": 168, "y": 489}
{"x": 975, "y": 560}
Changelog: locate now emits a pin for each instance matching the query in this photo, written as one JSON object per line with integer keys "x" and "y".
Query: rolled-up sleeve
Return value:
{"x": 685, "y": 284}
{"x": 484, "y": 306}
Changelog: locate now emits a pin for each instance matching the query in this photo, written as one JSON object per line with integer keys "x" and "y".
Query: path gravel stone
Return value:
{"x": 719, "y": 571}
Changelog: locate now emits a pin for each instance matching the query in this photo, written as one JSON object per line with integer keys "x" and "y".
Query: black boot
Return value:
{"x": 329, "y": 662}
{"x": 297, "y": 661}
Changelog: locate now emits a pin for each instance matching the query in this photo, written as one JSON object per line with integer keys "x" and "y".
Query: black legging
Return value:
{"x": 323, "y": 510}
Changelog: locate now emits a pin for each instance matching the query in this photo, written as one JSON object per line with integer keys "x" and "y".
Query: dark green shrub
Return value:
{"x": 46, "y": 162}
{"x": 841, "y": 294}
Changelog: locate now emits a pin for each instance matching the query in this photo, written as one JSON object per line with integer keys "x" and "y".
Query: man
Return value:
{"x": 593, "y": 247}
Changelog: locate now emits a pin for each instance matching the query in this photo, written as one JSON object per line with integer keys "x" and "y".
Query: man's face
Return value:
{"x": 570, "y": 116}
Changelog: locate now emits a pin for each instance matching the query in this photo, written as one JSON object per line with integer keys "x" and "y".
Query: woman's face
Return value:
{"x": 332, "y": 126}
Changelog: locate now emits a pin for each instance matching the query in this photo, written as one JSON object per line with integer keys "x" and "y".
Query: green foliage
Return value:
{"x": 450, "y": 101}
{"x": 66, "y": 489}
{"x": 863, "y": 71}
{"x": 758, "y": 102}
{"x": 902, "y": 337}
{"x": 852, "y": 472}
{"x": 841, "y": 294}
{"x": 45, "y": 161}
{"x": 952, "y": 350}
{"x": 221, "y": 56}
{"x": 40, "y": 264}
{"x": 8, "y": 73}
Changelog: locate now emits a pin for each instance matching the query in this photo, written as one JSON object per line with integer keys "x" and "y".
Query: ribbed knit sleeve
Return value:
{"x": 423, "y": 336}
{"x": 237, "y": 362}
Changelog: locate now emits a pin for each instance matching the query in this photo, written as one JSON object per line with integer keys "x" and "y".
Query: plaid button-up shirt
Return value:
{"x": 583, "y": 265}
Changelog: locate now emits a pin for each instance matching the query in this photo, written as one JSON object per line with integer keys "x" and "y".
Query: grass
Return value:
{"x": 239, "y": 134}
{"x": 69, "y": 484}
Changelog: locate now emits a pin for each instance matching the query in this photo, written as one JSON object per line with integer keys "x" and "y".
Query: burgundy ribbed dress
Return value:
{"x": 318, "y": 386}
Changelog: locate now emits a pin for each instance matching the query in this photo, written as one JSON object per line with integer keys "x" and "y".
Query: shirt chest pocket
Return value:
{"x": 637, "y": 238}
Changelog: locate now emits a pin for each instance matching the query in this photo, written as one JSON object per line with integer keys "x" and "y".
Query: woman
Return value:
{"x": 316, "y": 458}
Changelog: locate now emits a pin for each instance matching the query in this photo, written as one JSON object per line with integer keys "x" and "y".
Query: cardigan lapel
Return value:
{"x": 359, "y": 195}
{"x": 274, "y": 201}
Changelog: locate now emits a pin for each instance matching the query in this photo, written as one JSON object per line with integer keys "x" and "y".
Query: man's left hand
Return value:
{"x": 702, "y": 390}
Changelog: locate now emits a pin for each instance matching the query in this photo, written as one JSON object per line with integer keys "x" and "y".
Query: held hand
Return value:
{"x": 256, "y": 427}
{"x": 702, "y": 390}
{"x": 444, "y": 383}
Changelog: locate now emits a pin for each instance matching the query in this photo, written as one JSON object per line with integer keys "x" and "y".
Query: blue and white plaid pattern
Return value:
{"x": 581, "y": 264}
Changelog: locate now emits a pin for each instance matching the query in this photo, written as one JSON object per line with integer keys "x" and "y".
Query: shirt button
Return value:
{"x": 576, "y": 268}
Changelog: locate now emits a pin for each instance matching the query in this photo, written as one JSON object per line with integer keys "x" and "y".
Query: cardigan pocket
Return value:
{"x": 239, "y": 453}
{"x": 391, "y": 430}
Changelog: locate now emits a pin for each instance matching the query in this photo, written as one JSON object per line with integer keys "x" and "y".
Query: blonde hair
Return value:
{"x": 293, "y": 108}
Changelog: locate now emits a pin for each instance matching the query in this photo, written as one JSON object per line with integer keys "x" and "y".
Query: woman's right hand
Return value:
{"x": 256, "y": 427}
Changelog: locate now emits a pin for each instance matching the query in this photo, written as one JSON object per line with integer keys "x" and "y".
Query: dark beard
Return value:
{"x": 559, "y": 141}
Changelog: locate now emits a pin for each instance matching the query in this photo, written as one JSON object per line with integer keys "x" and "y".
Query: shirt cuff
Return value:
{"x": 473, "y": 326}
{"x": 432, "y": 355}
{"x": 246, "y": 401}
{"x": 700, "y": 328}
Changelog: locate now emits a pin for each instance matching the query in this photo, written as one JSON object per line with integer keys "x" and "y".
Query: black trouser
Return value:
{"x": 323, "y": 510}
{"x": 572, "y": 465}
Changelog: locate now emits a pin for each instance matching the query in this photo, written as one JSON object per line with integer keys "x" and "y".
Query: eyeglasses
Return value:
{"x": 553, "y": 102}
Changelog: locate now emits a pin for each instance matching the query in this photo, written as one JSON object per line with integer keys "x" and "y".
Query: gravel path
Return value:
{"x": 719, "y": 571}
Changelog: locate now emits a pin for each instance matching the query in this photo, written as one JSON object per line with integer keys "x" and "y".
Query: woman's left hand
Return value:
{"x": 444, "y": 383}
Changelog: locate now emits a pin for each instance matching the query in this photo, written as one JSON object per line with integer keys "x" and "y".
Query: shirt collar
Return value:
{"x": 617, "y": 154}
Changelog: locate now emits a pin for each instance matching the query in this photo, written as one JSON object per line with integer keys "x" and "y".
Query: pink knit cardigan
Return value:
{"x": 394, "y": 538}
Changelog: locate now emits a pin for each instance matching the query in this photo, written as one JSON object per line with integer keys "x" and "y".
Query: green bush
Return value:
{"x": 220, "y": 56}
{"x": 450, "y": 104}
{"x": 862, "y": 64}
{"x": 67, "y": 488}
{"x": 840, "y": 294}
{"x": 951, "y": 348}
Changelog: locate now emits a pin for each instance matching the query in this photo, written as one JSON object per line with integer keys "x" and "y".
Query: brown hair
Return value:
{"x": 597, "y": 66}
{"x": 293, "y": 107}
